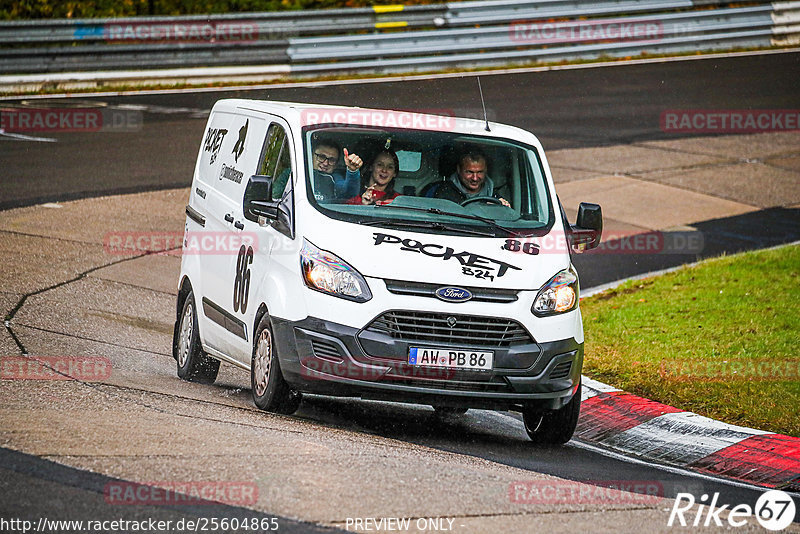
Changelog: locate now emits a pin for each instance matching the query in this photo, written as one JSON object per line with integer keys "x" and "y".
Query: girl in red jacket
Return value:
{"x": 378, "y": 188}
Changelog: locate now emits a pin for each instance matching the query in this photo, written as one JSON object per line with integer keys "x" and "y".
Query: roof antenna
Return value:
{"x": 485, "y": 118}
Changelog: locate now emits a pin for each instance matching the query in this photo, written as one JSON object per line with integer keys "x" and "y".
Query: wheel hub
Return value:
{"x": 185, "y": 340}
{"x": 263, "y": 362}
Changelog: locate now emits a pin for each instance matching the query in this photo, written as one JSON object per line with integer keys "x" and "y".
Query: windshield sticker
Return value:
{"x": 213, "y": 142}
{"x": 472, "y": 264}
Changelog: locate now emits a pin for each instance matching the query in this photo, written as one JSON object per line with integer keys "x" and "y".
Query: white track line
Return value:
{"x": 586, "y": 293}
{"x": 21, "y": 137}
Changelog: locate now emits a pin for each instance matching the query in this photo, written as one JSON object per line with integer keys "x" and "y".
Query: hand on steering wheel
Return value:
{"x": 491, "y": 200}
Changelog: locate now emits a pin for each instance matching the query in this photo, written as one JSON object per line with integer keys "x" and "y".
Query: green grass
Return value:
{"x": 719, "y": 339}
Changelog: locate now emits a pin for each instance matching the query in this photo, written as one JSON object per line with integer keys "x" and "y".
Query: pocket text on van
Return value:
{"x": 213, "y": 142}
{"x": 466, "y": 259}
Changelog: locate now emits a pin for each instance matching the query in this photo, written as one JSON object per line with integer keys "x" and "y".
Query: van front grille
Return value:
{"x": 449, "y": 329}
{"x": 424, "y": 289}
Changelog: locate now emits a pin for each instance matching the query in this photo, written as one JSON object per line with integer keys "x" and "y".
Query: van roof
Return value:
{"x": 429, "y": 119}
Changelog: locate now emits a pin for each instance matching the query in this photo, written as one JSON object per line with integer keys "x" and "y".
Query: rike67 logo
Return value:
{"x": 774, "y": 510}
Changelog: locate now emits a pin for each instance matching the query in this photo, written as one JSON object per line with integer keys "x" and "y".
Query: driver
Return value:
{"x": 469, "y": 181}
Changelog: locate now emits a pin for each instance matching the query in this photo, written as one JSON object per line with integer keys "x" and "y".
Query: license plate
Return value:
{"x": 450, "y": 358}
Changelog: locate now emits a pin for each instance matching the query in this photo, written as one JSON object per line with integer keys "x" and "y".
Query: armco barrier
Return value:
{"x": 786, "y": 17}
{"x": 395, "y": 38}
{"x": 326, "y": 21}
{"x": 651, "y": 31}
{"x": 470, "y": 13}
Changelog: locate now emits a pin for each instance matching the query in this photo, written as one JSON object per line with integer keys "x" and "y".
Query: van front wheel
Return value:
{"x": 270, "y": 390}
{"x": 553, "y": 427}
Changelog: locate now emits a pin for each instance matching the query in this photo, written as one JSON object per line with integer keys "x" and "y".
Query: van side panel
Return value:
{"x": 231, "y": 149}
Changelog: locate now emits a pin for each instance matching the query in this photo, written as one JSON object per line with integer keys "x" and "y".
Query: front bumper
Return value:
{"x": 318, "y": 356}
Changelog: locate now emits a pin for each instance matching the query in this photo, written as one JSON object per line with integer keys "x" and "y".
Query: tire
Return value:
{"x": 553, "y": 427}
{"x": 270, "y": 390}
{"x": 193, "y": 364}
{"x": 449, "y": 410}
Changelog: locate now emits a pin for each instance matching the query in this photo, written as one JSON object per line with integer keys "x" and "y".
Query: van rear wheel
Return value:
{"x": 553, "y": 427}
{"x": 193, "y": 364}
{"x": 270, "y": 390}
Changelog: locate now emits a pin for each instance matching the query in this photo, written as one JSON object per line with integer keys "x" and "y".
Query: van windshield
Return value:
{"x": 428, "y": 181}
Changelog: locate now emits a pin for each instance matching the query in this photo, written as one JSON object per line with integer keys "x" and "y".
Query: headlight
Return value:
{"x": 330, "y": 274}
{"x": 559, "y": 295}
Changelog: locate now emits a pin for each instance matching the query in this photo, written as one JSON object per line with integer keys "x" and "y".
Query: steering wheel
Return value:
{"x": 490, "y": 200}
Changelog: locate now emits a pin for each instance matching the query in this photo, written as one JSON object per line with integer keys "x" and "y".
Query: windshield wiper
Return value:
{"x": 437, "y": 211}
{"x": 424, "y": 224}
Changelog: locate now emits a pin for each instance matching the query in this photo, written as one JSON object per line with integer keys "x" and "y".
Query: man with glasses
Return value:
{"x": 328, "y": 183}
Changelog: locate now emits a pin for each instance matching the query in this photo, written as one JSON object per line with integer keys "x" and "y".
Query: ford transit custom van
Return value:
{"x": 384, "y": 255}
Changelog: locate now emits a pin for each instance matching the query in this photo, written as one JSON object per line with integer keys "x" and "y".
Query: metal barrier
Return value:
{"x": 649, "y": 31}
{"x": 398, "y": 38}
{"x": 468, "y": 13}
{"x": 269, "y": 25}
{"x": 786, "y": 16}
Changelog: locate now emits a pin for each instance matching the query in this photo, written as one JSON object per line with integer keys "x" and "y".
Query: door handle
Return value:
{"x": 239, "y": 225}
{"x": 229, "y": 217}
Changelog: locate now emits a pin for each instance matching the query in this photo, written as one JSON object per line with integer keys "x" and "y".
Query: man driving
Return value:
{"x": 471, "y": 180}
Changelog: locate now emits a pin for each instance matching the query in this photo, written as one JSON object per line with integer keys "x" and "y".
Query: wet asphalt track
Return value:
{"x": 565, "y": 109}
{"x": 36, "y": 487}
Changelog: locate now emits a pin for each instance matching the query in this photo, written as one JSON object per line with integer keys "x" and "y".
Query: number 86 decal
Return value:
{"x": 241, "y": 284}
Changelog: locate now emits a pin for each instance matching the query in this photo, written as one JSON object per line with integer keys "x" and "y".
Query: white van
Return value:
{"x": 439, "y": 272}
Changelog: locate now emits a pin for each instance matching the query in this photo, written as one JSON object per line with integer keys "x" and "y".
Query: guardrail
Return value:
{"x": 398, "y": 38}
{"x": 483, "y": 12}
{"x": 674, "y": 32}
{"x": 266, "y": 25}
{"x": 786, "y": 16}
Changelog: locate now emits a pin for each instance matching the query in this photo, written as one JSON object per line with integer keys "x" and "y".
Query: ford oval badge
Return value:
{"x": 453, "y": 294}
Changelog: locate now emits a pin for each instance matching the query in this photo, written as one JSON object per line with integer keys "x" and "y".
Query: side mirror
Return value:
{"x": 588, "y": 228}
{"x": 258, "y": 199}
{"x": 258, "y": 206}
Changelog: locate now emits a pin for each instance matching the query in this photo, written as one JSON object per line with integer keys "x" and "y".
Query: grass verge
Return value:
{"x": 719, "y": 338}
